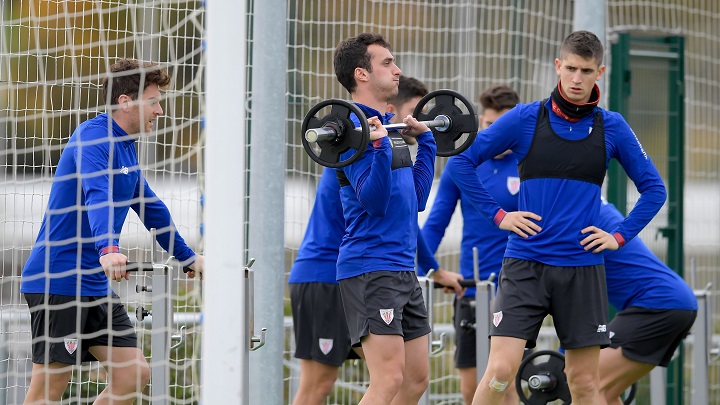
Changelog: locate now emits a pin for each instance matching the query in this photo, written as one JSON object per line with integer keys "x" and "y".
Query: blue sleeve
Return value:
{"x": 370, "y": 177}
{"x": 93, "y": 160}
{"x": 441, "y": 212}
{"x": 425, "y": 258}
{"x": 424, "y": 168}
{"x": 626, "y": 148}
{"x": 505, "y": 133}
{"x": 154, "y": 214}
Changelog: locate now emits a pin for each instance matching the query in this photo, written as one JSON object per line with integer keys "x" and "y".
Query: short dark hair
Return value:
{"x": 499, "y": 98}
{"x": 126, "y": 76}
{"x": 352, "y": 53}
{"x": 408, "y": 88}
{"x": 583, "y": 43}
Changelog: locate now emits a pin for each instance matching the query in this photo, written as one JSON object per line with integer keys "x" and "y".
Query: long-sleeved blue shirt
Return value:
{"x": 97, "y": 181}
{"x": 637, "y": 278}
{"x": 316, "y": 261}
{"x": 425, "y": 257}
{"x": 566, "y": 206}
{"x": 381, "y": 204}
{"x": 500, "y": 178}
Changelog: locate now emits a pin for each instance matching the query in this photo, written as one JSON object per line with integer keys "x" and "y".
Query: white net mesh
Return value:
{"x": 53, "y": 56}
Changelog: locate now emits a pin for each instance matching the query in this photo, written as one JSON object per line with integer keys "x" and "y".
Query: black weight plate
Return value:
{"x": 460, "y": 122}
{"x": 554, "y": 367}
{"x": 328, "y": 152}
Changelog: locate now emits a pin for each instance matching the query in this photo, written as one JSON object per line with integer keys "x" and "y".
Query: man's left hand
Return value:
{"x": 197, "y": 267}
{"x": 450, "y": 280}
{"x": 598, "y": 240}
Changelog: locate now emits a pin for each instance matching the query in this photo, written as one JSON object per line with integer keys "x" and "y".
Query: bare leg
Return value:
{"x": 47, "y": 383}
{"x": 618, "y": 373}
{"x": 316, "y": 382}
{"x": 415, "y": 377}
{"x": 581, "y": 367}
{"x": 128, "y": 374}
{"x": 385, "y": 358}
{"x": 505, "y": 356}
{"x": 511, "y": 395}
{"x": 468, "y": 383}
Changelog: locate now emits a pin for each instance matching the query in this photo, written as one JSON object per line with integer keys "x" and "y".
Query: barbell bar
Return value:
{"x": 330, "y": 132}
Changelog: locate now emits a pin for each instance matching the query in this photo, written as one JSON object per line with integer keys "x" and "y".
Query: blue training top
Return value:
{"x": 85, "y": 215}
{"x": 318, "y": 253}
{"x": 637, "y": 278}
{"x": 500, "y": 177}
{"x": 381, "y": 204}
{"x": 566, "y": 206}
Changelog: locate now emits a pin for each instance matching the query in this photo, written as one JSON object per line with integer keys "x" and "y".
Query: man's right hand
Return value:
{"x": 197, "y": 267}
{"x": 377, "y": 131}
{"x": 520, "y": 223}
{"x": 114, "y": 266}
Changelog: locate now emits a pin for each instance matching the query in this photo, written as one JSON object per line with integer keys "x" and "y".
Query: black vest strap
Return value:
{"x": 551, "y": 156}
{"x": 400, "y": 156}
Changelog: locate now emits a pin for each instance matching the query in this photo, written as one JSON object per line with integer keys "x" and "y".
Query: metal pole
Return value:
{"x": 701, "y": 336}
{"x": 160, "y": 344}
{"x": 591, "y": 15}
{"x": 4, "y": 362}
{"x": 267, "y": 188}
{"x": 147, "y": 45}
{"x": 426, "y": 284}
{"x": 484, "y": 295}
{"x": 225, "y": 343}
{"x": 658, "y": 386}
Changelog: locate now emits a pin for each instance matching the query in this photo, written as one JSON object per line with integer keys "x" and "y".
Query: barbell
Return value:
{"x": 327, "y": 138}
{"x": 545, "y": 381}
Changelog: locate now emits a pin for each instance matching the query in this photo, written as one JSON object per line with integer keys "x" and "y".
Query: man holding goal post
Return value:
{"x": 75, "y": 315}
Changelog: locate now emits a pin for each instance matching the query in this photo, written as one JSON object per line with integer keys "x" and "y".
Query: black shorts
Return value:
{"x": 465, "y": 337}
{"x": 384, "y": 303}
{"x": 321, "y": 332}
{"x": 650, "y": 335}
{"x": 71, "y": 325}
{"x": 576, "y": 298}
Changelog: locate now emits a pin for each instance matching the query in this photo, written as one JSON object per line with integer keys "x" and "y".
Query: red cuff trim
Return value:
{"x": 377, "y": 143}
{"x": 109, "y": 249}
{"x": 619, "y": 238}
{"x": 499, "y": 216}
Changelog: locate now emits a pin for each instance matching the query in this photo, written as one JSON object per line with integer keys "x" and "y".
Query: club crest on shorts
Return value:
{"x": 387, "y": 315}
{"x": 326, "y": 345}
{"x": 497, "y": 318}
{"x": 513, "y": 184}
{"x": 71, "y": 345}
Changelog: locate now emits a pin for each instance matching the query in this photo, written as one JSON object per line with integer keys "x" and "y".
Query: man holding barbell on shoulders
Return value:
{"x": 321, "y": 335}
{"x": 381, "y": 194}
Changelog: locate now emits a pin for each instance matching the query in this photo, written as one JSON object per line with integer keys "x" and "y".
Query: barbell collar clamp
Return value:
{"x": 540, "y": 382}
{"x": 328, "y": 132}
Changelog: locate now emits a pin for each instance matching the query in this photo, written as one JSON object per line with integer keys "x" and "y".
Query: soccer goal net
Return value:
{"x": 53, "y": 57}
{"x": 54, "y": 54}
